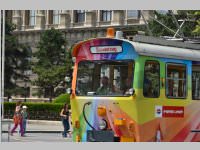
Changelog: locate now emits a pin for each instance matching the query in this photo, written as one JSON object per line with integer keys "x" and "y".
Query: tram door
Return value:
{"x": 196, "y": 82}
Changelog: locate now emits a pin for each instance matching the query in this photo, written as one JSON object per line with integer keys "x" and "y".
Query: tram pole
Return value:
{"x": 2, "y": 45}
{"x": 0, "y": 79}
{"x": 3, "y": 60}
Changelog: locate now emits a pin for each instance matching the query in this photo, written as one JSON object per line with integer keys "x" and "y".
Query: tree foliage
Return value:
{"x": 16, "y": 62}
{"x": 197, "y": 28}
{"x": 52, "y": 65}
{"x": 167, "y": 19}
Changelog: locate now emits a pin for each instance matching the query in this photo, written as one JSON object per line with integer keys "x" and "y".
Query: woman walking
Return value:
{"x": 17, "y": 119}
{"x": 65, "y": 119}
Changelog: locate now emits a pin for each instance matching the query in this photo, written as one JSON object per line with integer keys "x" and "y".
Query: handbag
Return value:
{"x": 17, "y": 119}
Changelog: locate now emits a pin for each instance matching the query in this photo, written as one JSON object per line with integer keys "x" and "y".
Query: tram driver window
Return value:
{"x": 151, "y": 86}
{"x": 176, "y": 81}
{"x": 104, "y": 78}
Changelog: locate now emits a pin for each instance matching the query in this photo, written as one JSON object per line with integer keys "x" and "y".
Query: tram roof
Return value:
{"x": 158, "y": 47}
{"x": 164, "y": 42}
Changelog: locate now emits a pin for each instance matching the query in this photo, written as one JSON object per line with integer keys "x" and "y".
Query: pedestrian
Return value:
{"x": 65, "y": 119}
{"x": 10, "y": 99}
{"x": 17, "y": 119}
{"x": 24, "y": 118}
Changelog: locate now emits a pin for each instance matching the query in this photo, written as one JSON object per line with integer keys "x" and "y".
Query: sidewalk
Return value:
{"x": 44, "y": 122}
{"x": 37, "y": 131}
{"x": 37, "y": 125}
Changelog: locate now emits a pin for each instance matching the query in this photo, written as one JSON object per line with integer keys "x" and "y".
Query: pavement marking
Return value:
{"x": 28, "y": 138}
{"x": 21, "y": 140}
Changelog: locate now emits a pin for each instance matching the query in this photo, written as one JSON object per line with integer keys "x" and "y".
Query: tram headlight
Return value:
{"x": 102, "y": 124}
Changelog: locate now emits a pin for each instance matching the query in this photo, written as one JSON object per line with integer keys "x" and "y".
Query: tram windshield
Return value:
{"x": 104, "y": 78}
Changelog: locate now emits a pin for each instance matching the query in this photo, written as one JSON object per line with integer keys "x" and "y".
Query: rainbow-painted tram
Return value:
{"x": 147, "y": 89}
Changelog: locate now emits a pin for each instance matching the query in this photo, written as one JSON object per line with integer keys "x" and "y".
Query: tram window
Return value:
{"x": 151, "y": 84}
{"x": 196, "y": 85}
{"x": 104, "y": 78}
{"x": 176, "y": 81}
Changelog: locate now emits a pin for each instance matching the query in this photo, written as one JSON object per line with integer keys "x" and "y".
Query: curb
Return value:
{"x": 44, "y": 122}
{"x": 43, "y": 131}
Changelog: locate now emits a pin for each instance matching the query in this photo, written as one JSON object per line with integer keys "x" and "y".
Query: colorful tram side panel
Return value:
{"x": 133, "y": 91}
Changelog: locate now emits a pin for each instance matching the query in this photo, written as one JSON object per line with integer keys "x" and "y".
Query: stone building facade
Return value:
{"x": 76, "y": 25}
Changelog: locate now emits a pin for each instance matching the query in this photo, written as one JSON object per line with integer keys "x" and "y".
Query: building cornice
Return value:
{"x": 80, "y": 29}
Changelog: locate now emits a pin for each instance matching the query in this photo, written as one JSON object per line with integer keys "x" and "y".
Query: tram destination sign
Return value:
{"x": 105, "y": 49}
{"x": 169, "y": 111}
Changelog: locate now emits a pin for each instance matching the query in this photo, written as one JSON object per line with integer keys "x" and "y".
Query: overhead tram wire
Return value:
{"x": 177, "y": 24}
{"x": 146, "y": 23}
{"x": 164, "y": 25}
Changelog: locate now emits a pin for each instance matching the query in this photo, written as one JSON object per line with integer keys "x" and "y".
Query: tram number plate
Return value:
{"x": 169, "y": 111}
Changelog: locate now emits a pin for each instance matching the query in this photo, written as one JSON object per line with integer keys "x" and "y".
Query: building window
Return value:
{"x": 79, "y": 16}
{"x": 176, "y": 81}
{"x": 30, "y": 17}
{"x": 196, "y": 85}
{"x": 106, "y": 15}
{"x": 54, "y": 17}
{"x": 133, "y": 14}
{"x": 151, "y": 84}
{"x": 8, "y": 15}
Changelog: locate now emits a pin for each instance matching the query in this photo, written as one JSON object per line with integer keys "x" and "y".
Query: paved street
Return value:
{"x": 36, "y": 137}
{"x": 51, "y": 132}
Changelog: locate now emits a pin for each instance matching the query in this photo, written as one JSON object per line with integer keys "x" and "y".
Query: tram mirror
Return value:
{"x": 69, "y": 91}
{"x": 91, "y": 93}
{"x": 73, "y": 59}
{"x": 131, "y": 91}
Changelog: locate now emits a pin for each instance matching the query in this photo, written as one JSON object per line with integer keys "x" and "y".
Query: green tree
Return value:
{"x": 157, "y": 29}
{"x": 167, "y": 19}
{"x": 197, "y": 28}
{"x": 51, "y": 66}
{"x": 192, "y": 17}
{"x": 17, "y": 58}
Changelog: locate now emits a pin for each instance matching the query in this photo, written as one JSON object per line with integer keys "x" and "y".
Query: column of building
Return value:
{"x": 72, "y": 18}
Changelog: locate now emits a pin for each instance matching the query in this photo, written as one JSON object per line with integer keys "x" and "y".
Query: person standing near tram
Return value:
{"x": 65, "y": 119}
